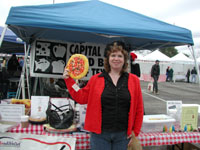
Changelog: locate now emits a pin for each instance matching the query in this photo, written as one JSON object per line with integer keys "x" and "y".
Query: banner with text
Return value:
{"x": 48, "y": 58}
{"x": 15, "y": 141}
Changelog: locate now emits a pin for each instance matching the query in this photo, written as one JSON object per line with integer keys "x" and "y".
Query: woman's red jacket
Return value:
{"x": 91, "y": 95}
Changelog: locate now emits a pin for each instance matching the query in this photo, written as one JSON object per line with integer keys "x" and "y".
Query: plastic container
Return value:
{"x": 155, "y": 123}
{"x": 24, "y": 121}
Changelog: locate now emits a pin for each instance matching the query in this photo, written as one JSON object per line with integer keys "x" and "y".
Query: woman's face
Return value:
{"x": 116, "y": 60}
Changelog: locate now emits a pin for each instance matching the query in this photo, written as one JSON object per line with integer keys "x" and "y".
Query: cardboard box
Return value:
{"x": 155, "y": 123}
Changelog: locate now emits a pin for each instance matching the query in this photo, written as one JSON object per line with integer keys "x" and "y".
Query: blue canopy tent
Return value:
{"x": 11, "y": 43}
{"x": 94, "y": 21}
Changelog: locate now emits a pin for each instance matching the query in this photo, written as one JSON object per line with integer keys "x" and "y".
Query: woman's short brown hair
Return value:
{"x": 114, "y": 47}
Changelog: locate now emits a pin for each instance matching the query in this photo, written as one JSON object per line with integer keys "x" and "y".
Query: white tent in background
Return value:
{"x": 139, "y": 56}
{"x": 181, "y": 58}
{"x": 198, "y": 60}
{"x": 157, "y": 55}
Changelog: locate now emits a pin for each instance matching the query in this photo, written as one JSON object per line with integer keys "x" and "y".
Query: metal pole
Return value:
{"x": 196, "y": 65}
{"x": 27, "y": 72}
{"x": 22, "y": 75}
{"x": 3, "y": 33}
{"x": 23, "y": 86}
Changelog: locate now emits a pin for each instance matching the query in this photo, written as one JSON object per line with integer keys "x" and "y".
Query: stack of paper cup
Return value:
{"x": 24, "y": 121}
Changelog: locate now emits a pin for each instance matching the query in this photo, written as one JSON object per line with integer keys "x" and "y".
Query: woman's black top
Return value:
{"x": 115, "y": 104}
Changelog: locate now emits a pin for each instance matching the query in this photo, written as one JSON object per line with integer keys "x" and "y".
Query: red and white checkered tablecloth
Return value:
{"x": 82, "y": 138}
{"x": 155, "y": 139}
{"x": 146, "y": 139}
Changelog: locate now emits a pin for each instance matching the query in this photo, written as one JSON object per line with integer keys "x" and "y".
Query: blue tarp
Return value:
{"x": 94, "y": 21}
{"x": 11, "y": 43}
{"x": 10, "y": 36}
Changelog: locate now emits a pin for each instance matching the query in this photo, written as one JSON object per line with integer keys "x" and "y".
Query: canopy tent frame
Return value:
{"x": 24, "y": 74}
{"x": 9, "y": 42}
{"x": 24, "y": 77}
{"x": 3, "y": 34}
{"x": 77, "y": 22}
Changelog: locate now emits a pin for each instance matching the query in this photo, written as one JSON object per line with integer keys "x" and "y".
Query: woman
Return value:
{"x": 114, "y": 101}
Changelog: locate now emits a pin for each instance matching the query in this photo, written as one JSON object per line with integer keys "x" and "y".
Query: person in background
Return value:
{"x": 167, "y": 74}
{"x": 194, "y": 75}
{"x": 171, "y": 73}
{"x": 4, "y": 62}
{"x": 188, "y": 76}
{"x": 21, "y": 62}
{"x": 135, "y": 67}
{"x": 114, "y": 101}
{"x": 155, "y": 73}
{"x": 12, "y": 65}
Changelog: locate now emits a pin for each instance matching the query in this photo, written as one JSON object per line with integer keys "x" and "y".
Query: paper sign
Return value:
{"x": 11, "y": 112}
{"x": 174, "y": 109}
{"x": 189, "y": 116}
{"x": 39, "y": 106}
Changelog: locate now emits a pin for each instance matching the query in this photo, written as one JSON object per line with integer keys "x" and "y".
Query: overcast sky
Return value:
{"x": 183, "y": 13}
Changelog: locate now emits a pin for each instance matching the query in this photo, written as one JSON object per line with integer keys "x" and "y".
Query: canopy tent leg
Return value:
{"x": 23, "y": 86}
{"x": 19, "y": 89}
{"x": 24, "y": 75}
{"x": 196, "y": 64}
{"x": 27, "y": 71}
{"x": 3, "y": 34}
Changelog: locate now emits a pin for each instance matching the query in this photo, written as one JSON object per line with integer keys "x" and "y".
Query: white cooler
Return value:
{"x": 155, "y": 123}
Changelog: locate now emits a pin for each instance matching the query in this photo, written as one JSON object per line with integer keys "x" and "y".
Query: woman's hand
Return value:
{"x": 66, "y": 73}
{"x": 129, "y": 137}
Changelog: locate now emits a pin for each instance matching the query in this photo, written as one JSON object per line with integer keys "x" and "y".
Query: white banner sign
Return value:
{"x": 15, "y": 141}
{"x": 48, "y": 58}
